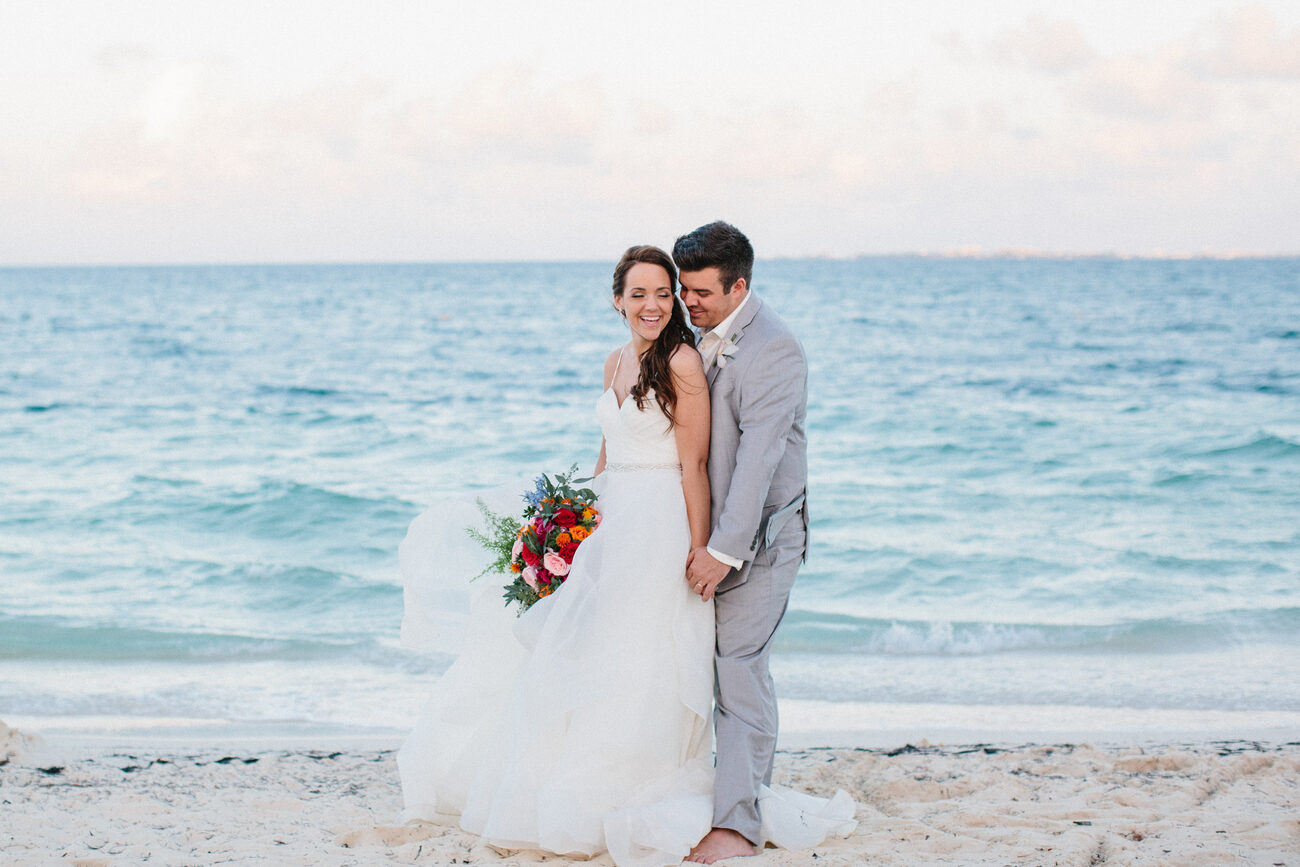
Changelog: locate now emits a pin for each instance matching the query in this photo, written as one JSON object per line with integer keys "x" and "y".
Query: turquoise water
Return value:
{"x": 1032, "y": 482}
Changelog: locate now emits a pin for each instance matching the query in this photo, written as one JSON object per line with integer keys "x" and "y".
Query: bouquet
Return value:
{"x": 536, "y": 553}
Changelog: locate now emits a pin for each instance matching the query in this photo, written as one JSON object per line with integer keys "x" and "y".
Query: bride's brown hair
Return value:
{"x": 655, "y": 372}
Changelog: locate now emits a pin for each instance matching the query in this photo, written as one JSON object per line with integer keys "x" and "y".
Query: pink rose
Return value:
{"x": 555, "y": 564}
{"x": 530, "y": 577}
{"x": 518, "y": 547}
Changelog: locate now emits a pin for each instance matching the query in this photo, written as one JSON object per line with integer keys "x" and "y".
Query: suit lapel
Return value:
{"x": 712, "y": 373}
{"x": 733, "y": 336}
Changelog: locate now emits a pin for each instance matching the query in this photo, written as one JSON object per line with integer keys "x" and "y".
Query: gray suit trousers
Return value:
{"x": 746, "y": 716}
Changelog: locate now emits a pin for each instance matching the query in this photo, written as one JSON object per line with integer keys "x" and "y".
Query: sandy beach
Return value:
{"x": 83, "y": 802}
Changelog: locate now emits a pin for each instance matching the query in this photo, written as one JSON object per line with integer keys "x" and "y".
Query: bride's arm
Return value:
{"x": 691, "y": 415}
{"x": 610, "y": 363}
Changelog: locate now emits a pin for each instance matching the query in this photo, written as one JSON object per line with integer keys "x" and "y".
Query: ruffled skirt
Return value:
{"x": 583, "y": 726}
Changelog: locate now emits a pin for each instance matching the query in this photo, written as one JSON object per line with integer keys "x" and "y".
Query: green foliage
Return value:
{"x": 519, "y": 591}
{"x": 497, "y": 536}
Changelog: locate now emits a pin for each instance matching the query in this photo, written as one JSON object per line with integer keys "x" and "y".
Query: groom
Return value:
{"x": 758, "y": 472}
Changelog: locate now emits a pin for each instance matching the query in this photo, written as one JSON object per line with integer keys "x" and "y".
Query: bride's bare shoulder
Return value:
{"x": 686, "y": 361}
{"x": 686, "y": 354}
{"x": 611, "y": 364}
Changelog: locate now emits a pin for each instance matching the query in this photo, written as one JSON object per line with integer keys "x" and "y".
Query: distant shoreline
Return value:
{"x": 959, "y": 255}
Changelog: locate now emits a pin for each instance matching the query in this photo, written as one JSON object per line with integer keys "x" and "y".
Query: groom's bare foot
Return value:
{"x": 718, "y": 844}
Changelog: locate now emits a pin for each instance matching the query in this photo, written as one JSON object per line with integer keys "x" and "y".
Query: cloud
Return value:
{"x": 1044, "y": 44}
{"x": 1033, "y": 136}
{"x": 955, "y": 46}
{"x": 1155, "y": 85}
{"x": 165, "y": 105}
{"x": 651, "y": 118}
{"x": 187, "y": 133}
{"x": 184, "y": 136}
{"x": 503, "y": 112}
{"x": 894, "y": 101}
{"x": 332, "y": 117}
{"x": 1251, "y": 43}
{"x": 122, "y": 56}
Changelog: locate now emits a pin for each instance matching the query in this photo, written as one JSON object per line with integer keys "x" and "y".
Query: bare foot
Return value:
{"x": 718, "y": 844}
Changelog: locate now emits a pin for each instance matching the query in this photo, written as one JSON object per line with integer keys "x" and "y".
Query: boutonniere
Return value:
{"x": 728, "y": 350}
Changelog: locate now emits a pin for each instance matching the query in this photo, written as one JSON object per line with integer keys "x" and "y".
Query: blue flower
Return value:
{"x": 535, "y": 497}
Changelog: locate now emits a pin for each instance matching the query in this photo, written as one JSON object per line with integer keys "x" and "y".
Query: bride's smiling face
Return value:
{"x": 647, "y": 300}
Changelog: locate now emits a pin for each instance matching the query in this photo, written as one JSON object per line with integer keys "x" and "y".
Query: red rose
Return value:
{"x": 565, "y": 518}
{"x": 530, "y": 556}
{"x": 567, "y": 551}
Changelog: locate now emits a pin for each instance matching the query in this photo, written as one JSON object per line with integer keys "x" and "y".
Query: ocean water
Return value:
{"x": 1065, "y": 485}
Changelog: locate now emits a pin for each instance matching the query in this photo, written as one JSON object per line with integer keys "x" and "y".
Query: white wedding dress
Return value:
{"x": 585, "y": 724}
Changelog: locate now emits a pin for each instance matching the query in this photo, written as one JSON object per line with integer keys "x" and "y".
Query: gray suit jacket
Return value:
{"x": 758, "y": 454}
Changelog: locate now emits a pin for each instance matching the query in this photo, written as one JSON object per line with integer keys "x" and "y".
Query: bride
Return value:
{"x": 583, "y": 726}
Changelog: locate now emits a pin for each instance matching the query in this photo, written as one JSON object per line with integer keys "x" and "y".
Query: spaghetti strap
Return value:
{"x": 617, "y": 364}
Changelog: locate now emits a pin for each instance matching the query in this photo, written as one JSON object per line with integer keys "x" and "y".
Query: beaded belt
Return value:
{"x": 632, "y": 468}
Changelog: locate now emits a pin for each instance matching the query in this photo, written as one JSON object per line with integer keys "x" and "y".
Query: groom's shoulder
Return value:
{"x": 770, "y": 322}
{"x": 776, "y": 347}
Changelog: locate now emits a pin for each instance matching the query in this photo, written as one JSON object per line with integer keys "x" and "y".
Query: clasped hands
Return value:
{"x": 704, "y": 572}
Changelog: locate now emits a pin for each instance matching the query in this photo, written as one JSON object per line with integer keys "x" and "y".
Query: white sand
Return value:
{"x": 1225, "y": 803}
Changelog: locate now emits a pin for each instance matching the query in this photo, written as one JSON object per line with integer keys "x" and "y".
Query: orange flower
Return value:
{"x": 544, "y": 590}
{"x": 579, "y": 532}
{"x": 563, "y": 539}
{"x": 516, "y": 567}
{"x": 588, "y": 514}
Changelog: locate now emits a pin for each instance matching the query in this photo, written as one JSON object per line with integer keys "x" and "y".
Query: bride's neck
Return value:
{"x": 640, "y": 345}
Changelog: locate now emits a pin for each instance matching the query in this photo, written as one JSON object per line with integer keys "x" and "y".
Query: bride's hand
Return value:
{"x": 705, "y": 572}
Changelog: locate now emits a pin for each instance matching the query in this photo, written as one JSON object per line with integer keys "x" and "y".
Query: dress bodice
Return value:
{"x": 635, "y": 436}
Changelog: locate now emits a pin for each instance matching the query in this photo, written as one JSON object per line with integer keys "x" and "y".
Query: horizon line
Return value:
{"x": 971, "y": 253}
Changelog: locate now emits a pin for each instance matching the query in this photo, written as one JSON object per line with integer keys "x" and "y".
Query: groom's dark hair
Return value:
{"x": 718, "y": 245}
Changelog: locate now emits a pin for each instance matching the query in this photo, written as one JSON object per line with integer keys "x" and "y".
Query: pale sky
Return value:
{"x": 142, "y": 132}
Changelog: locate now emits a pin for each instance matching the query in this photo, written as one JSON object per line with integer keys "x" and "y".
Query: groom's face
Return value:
{"x": 705, "y": 301}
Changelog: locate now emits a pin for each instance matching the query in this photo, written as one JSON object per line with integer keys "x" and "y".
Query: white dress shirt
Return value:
{"x": 711, "y": 341}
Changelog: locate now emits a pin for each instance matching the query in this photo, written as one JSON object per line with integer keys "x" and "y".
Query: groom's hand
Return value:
{"x": 705, "y": 572}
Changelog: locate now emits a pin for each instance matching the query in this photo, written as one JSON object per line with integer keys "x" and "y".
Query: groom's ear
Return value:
{"x": 739, "y": 284}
